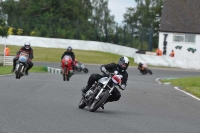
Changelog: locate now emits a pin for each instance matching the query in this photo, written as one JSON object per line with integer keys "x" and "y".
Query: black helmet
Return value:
{"x": 69, "y": 49}
{"x": 27, "y": 45}
{"x": 140, "y": 64}
{"x": 123, "y": 63}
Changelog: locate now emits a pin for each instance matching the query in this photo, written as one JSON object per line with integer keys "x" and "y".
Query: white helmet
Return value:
{"x": 27, "y": 45}
{"x": 123, "y": 63}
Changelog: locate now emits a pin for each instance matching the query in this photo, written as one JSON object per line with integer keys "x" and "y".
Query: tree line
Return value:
{"x": 82, "y": 20}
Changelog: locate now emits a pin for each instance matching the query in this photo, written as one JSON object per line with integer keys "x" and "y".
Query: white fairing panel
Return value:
{"x": 103, "y": 80}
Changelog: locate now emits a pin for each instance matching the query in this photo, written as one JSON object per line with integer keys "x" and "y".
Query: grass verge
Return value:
{"x": 190, "y": 84}
{"x": 85, "y": 56}
{"x": 36, "y": 69}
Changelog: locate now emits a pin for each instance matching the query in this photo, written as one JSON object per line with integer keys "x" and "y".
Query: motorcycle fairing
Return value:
{"x": 103, "y": 80}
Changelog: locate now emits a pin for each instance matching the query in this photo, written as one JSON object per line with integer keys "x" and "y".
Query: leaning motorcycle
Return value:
{"x": 66, "y": 67}
{"x": 79, "y": 67}
{"x": 96, "y": 96}
{"x": 21, "y": 65}
{"x": 146, "y": 70}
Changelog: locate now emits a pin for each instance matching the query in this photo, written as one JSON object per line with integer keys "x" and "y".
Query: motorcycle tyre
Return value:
{"x": 81, "y": 104}
{"x": 64, "y": 74}
{"x": 150, "y": 72}
{"x": 101, "y": 101}
{"x": 18, "y": 72}
{"x": 144, "y": 72}
{"x": 85, "y": 70}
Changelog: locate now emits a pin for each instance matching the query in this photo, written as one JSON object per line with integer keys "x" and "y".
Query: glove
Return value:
{"x": 123, "y": 87}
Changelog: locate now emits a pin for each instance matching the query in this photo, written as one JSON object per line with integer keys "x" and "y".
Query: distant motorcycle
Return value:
{"x": 66, "y": 67}
{"x": 100, "y": 91}
{"x": 145, "y": 70}
{"x": 79, "y": 67}
{"x": 21, "y": 65}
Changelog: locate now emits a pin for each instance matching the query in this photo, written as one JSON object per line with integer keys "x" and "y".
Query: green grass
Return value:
{"x": 190, "y": 84}
{"x": 7, "y": 69}
{"x": 85, "y": 56}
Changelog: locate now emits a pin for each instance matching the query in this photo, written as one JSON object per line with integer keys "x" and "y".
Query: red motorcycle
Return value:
{"x": 67, "y": 70}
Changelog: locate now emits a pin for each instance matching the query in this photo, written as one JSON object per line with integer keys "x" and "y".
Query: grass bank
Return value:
{"x": 36, "y": 69}
{"x": 54, "y": 55}
{"x": 190, "y": 84}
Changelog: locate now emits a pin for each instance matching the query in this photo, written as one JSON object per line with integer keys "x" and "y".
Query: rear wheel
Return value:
{"x": 85, "y": 70}
{"x": 150, "y": 72}
{"x": 65, "y": 73}
{"x": 96, "y": 104}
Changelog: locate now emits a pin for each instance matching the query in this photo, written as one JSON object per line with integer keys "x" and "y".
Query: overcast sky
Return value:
{"x": 118, "y": 8}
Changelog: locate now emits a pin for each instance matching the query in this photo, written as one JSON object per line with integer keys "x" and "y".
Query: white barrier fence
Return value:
{"x": 167, "y": 61}
{"x": 6, "y": 60}
{"x": 64, "y": 43}
{"x": 53, "y": 70}
{"x": 149, "y": 57}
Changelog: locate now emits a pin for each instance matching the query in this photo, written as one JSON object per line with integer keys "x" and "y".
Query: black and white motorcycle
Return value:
{"x": 21, "y": 65}
{"x": 96, "y": 96}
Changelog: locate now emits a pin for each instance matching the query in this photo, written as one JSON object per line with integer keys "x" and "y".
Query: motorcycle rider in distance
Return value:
{"x": 70, "y": 53}
{"x": 140, "y": 66}
{"x": 26, "y": 48}
{"x": 121, "y": 67}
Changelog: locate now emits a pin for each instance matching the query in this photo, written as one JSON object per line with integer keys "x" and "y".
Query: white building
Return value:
{"x": 180, "y": 21}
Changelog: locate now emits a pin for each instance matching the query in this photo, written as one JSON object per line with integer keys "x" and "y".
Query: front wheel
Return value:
{"x": 18, "y": 72}
{"x": 81, "y": 104}
{"x": 96, "y": 104}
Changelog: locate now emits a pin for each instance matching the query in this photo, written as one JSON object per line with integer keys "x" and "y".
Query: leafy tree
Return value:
{"x": 142, "y": 18}
{"x": 3, "y": 28}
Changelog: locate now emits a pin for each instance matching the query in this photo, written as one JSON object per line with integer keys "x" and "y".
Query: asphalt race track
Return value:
{"x": 44, "y": 103}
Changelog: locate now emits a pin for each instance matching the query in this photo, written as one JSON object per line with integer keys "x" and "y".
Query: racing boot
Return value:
{"x": 14, "y": 64}
{"x": 102, "y": 106}
{"x": 26, "y": 72}
{"x": 13, "y": 69}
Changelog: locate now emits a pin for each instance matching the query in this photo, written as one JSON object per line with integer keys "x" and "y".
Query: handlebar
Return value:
{"x": 120, "y": 87}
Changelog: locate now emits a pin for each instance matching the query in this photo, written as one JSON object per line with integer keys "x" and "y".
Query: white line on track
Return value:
{"x": 6, "y": 74}
{"x": 157, "y": 80}
{"x": 187, "y": 93}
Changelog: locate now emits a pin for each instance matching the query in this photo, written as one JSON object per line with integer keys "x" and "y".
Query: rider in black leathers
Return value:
{"x": 27, "y": 48}
{"x": 121, "y": 67}
{"x": 70, "y": 53}
{"x": 140, "y": 67}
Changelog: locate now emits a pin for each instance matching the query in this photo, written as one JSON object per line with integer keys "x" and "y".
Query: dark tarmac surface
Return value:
{"x": 44, "y": 103}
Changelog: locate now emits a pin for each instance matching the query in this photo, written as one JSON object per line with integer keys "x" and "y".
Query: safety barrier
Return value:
{"x": 167, "y": 61}
{"x": 6, "y": 60}
{"x": 52, "y": 70}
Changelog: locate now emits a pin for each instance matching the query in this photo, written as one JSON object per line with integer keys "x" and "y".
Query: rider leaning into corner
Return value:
{"x": 121, "y": 67}
{"x": 70, "y": 53}
{"x": 26, "y": 48}
{"x": 140, "y": 66}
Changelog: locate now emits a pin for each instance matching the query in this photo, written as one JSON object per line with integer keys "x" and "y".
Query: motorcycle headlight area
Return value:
{"x": 116, "y": 79}
{"x": 23, "y": 59}
{"x": 66, "y": 62}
